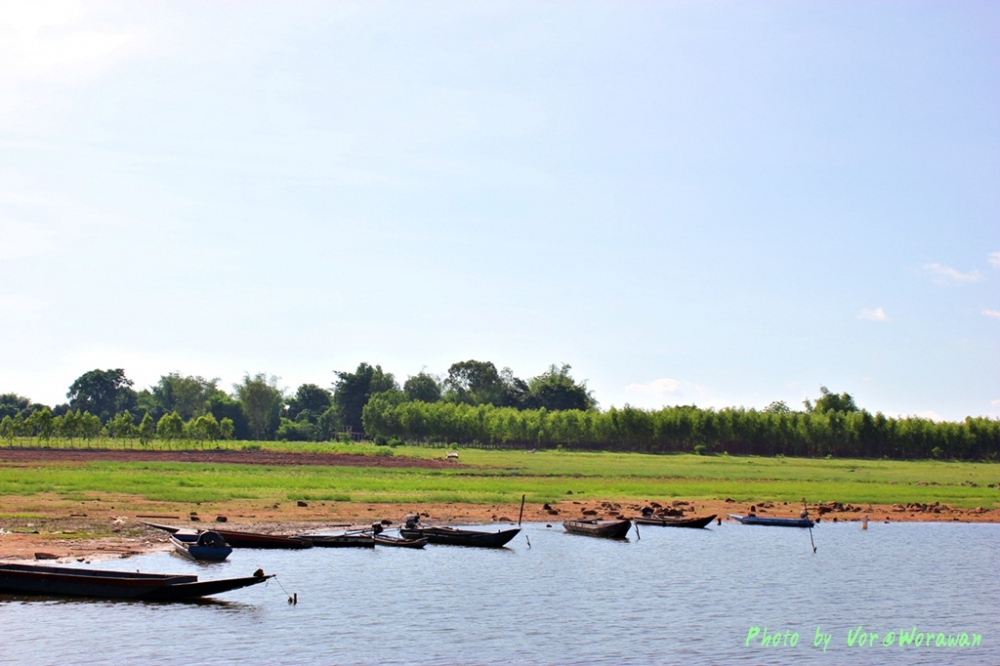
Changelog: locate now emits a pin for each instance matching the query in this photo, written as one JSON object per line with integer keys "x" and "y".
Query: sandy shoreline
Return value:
{"x": 102, "y": 529}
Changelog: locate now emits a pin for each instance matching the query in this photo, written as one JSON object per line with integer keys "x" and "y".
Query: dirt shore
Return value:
{"x": 48, "y": 526}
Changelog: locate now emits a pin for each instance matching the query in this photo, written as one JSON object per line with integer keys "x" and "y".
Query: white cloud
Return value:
{"x": 994, "y": 258}
{"x": 991, "y": 313}
{"x": 658, "y": 388}
{"x": 948, "y": 275}
{"x": 878, "y": 314}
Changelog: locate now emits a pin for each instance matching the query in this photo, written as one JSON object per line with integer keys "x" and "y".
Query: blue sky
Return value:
{"x": 711, "y": 203}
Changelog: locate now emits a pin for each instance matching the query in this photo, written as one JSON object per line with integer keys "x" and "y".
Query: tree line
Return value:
{"x": 475, "y": 404}
{"x": 831, "y": 426}
{"x": 104, "y": 403}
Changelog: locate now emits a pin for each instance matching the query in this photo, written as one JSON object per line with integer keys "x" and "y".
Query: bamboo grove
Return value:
{"x": 847, "y": 434}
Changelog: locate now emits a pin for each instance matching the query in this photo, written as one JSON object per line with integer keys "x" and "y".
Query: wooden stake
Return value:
{"x": 520, "y": 515}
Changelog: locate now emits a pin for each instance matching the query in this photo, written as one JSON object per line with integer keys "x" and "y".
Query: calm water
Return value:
{"x": 673, "y": 596}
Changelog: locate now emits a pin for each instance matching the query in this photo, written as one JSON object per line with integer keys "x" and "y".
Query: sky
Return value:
{"x": 709, "y": 203}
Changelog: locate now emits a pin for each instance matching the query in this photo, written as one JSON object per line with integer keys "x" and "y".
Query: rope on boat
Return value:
{"x": 292, "y": 598}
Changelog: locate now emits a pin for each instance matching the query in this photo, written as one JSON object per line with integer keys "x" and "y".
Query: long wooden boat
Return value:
{"x": 245, "y": 539}
{"x": 672, "y": 521}
{"x": 98, "y": 584}
{"x": 341, "y": 540}
{"x": 399, "y": 542}
{"x": 451, "y": 536}
{"x": 208, "y": 546}
{"x": 774, "y": 522}
{"x": 606, "y": 529}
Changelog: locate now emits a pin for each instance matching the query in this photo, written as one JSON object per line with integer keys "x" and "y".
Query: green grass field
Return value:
{"x": 503, "y": 476}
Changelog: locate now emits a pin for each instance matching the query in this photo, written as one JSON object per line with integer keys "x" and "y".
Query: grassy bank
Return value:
{"x": 502, "y": 476}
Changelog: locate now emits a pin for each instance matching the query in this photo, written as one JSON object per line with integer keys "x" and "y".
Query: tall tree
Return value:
{"x": 188, "y": 396}
{"x": 556, "y": 390}
{"x": 353, "y": 389}
{"x": 422, "y": 387}
{"x": 102, "y": 393}
{"x": 262, "y": 401}
{"x": 474, "y": 383}
{"x": 830, "y": 401}
{"x": 309, "y": 400}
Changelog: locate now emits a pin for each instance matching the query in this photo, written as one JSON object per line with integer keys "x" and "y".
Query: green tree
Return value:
{"x": 12, "y": 404}
{"x": 40, "y": 423}
{"x": 7, "y": 429}
{"x": 831, "y": 402}
{"x": 329, "y": 424}
{"x": 556, "y": 390}
{"x": 103, "y": 393}
{"x": 205, "y": 427}
{"x": 89, "y": 425}
{"x": 223, "y": 407}
{"x": 422, "y": 387}
{"x": 170, "y": 426}
{"x": 147, "y": 429}
{"x": 188, "y": 396}
{"x": 226, "y": 428}
{"x": 121, "y": 426}
{"x": 262, "y": 401}
{"x": 310, "y": 400}
{"x": 352, "y": 391}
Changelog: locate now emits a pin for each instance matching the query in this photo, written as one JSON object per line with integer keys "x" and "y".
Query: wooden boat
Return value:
{"x": 451, "y": 536}
{"x": 673, "y": 521}
{"x": 208, "y": 546}
{"x": 98, "y": 584}
{"x": 606, "y": 529}
{"x": 774, "y": 522}
{"x": 399, "y": 542}
{"x": 341, "y": 540}
{"x": 245, "y": 539}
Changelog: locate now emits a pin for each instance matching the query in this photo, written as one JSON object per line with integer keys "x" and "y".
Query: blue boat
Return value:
{"x": 774, "y": 522}
{"x": 207, "y": 546}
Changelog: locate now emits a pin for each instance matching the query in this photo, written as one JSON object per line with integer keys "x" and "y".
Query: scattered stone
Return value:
{"x": 221, "y": 519}
{"x": 301, "y": 503}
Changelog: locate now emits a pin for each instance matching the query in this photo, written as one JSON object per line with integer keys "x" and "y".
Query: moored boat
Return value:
{"x": 674, "y": 521}
{"x": 606, "y": 529}
{"x": 207, "y": 546}
{"x": 451, "y": 536}
{"x": 774, "y": 522}
{"x": 341, "y": 540}
{"x": 245, "y": 539}
{"x": 99, "y": 584}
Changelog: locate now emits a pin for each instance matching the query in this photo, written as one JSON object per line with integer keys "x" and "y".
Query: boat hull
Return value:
{"x": 449, "y": 536}
{"x": 695, "y": 523}
{"x": 98, "y": 584}
{"x": 605, "y": 529}
{"x": 245, "y": 539}
{"x": 399, "y": 542}
{"x": 341, "y": 540}
{"x": 773, "y": 522}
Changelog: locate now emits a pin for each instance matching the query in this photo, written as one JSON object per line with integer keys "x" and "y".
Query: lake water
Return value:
{"x": 674, "y": 596}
